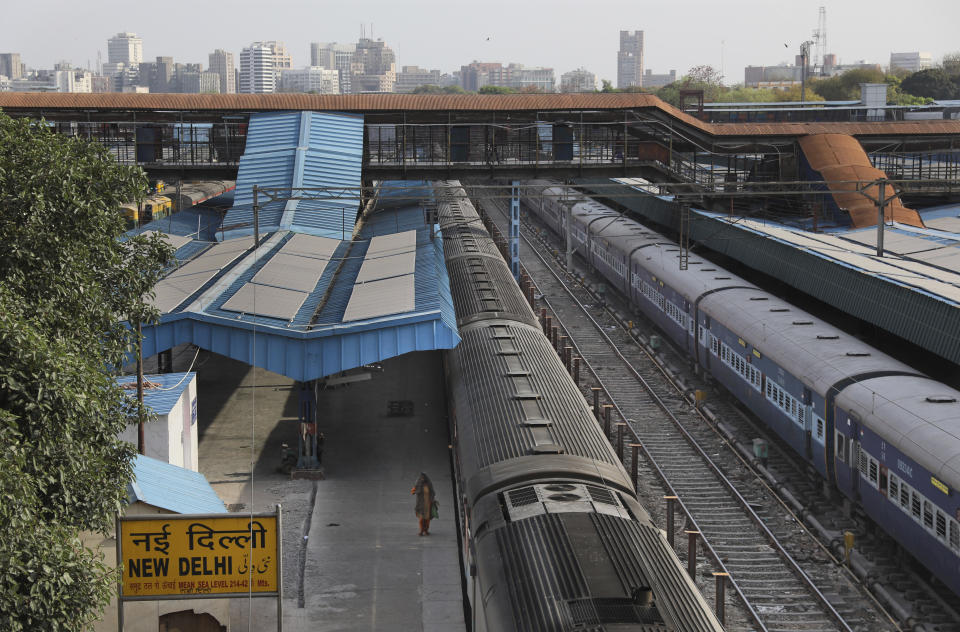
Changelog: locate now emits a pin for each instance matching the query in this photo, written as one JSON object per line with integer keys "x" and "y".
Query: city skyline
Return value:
{"x": 741, "y": 33}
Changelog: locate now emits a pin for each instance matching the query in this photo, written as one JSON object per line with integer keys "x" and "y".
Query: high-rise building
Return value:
{"x": 630, "y": 59}
{"x": 69, "y": 80}
{"x": 10, "y": 66}
{"x": 911, "y": 62}
{"x": 374, "y": 67}
{"x": 221, "y": 63}
{"x": 281, "y": 56}
{"x": 258, "y": 73}
{"x": 579, "y": 80}
{"x": 516, "y": 76}
{"x": 158, "y": 75}
{"x": 315, "y": 79}
{"x": 651, "y": 80}
{"x": 198, "y": 82}
{"x": 125, "y": 48}
{"x": 412, "y": 77}
{"x": 334, "y": 56}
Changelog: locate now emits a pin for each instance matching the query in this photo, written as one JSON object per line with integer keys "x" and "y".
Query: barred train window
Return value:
{"x": 904, "y": 496}
{"x": 841, "y": 446}
{"x": 894, "y": 488}
{"x": 819, "y": 428}
{"x": 915, "y": 504}
{"x": 873, "y": 469}
{"x": 927, "y": 514}
{"x": 941, "y": 525}
{"x": 954, "y": 535}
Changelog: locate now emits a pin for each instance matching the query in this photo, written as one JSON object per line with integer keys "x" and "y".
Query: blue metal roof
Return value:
{"x": 300, "y": 149}
{"x": 316, "y": 342}
{"x": 162, "y": 398}
{"x": 172, "y": 488}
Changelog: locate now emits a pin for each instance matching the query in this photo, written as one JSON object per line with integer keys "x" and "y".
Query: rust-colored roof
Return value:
{"x": 841, "y": 161}
{"x": 453, "y": 102}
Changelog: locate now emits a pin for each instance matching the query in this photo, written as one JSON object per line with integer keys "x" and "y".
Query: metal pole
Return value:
{"x": 543, "y": 319}
{"x": 620, "y": 428}
{"x": 576, "y": 370}
{"x": 670, "y": 528}
{"x": 515, "y": 228}
{"x": 279, "y": 569}
{"x": 256, "y": 216}
{"x": 606, "y": 419}
{"x": 116, "y": 533}
{"x": 721, "y": 585}
{"x": 596, "y": 401}
{"x": 692, "y": 553}
{"x": 881, "y": 204}
{"x": 554, "y": 336}
{"x": 141, "y": 442}
{"x": 634, "y": 462}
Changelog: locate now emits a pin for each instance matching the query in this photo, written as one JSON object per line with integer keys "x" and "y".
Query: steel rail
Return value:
{"x": 792, "y": 564}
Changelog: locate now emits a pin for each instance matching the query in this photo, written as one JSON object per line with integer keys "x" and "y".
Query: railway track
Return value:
{"x": 784, "y": 577}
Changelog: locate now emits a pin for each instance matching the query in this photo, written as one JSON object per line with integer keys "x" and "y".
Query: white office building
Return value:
{"x": 258, "y": 73}
{"x": 579, "y": 80}
{"x": 125, "y": 48}
{"x": 315, "y": 79}
{"x": 911, "y": 62}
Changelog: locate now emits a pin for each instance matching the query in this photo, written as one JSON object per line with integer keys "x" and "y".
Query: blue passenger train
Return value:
{"x": 887, "y": 436}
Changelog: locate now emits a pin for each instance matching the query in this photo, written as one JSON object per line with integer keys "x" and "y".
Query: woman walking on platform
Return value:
{"x": 426, "y": 499}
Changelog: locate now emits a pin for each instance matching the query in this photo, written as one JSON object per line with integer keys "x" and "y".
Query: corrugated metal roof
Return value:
{"x": 314, "y": 341}
{"x": 172, "y": 488}
{"x": 368, "y": 103}
{"x": 164, "y": 396}
{"x": 300, "y": 149}
{"x": 914, "y": 313}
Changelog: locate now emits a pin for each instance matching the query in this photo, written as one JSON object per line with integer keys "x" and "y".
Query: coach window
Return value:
{"x": 915, "y": 504}
{"x": 941, "y": 526}
{"x": 927, "y": 514}
{"x": 954, "y": 535}
{"x": 893, "y": 493}
{"x": 841, "y": 445}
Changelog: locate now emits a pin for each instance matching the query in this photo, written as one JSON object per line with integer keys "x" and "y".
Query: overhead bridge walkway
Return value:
{"x": 452, "y": 136}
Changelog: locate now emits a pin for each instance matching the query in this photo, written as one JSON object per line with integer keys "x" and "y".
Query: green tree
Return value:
{"x": 65, "y": 278}
{"x": 496, "y": 90}
{"x": 607, "y": 86}
{"x": 932, "y": 83}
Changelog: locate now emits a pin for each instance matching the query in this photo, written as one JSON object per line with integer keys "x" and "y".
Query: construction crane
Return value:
{"x": 820, "y": 42}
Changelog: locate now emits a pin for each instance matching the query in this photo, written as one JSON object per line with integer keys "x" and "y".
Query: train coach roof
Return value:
{"x": 917, "y": 415}
{"x": 817, "y": 353}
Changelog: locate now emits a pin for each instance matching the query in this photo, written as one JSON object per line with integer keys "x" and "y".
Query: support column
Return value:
{"x": 692, "y": 554}
{"x": 670, "y": 528}
{"x": 515, "y": 228}
{"x": 721, "y": 586}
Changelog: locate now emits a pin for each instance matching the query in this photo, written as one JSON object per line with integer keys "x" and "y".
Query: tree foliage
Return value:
{"x": 432, "y": 89}
{"x": 496, "y": 90}
{"x": 66, "y": 281}
{"x": 933, "y": 83}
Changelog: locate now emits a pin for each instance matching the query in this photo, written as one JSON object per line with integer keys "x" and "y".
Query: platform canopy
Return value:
{"x": 306, "y": 306}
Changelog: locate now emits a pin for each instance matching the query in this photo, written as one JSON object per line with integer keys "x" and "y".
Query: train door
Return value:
{"x": 857, "y": 456}
{"x": 808, "y": 423}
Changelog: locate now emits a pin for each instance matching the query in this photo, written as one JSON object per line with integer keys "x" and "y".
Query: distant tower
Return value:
{"x": 630, "y": 59}
{"x": 820, "y": 39}
{"x": 221, "y": 62}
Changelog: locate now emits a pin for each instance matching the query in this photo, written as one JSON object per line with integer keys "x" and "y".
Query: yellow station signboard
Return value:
{"x": 199, "y": 555}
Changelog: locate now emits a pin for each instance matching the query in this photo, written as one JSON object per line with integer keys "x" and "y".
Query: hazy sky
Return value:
{"x": 561, "y": 34}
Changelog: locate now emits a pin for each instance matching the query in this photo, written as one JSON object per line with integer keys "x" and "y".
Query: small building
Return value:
{"x": 161, "y": 488}
{"x": 172, "y": 436}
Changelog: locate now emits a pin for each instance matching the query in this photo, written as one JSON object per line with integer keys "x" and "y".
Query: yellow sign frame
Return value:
{"x": 197, "y": 556}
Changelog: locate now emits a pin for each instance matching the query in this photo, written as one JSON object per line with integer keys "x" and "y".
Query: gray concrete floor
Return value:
{"x": 363, "y": 565}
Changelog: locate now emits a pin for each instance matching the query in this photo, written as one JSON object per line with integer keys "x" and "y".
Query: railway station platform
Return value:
{"x": 352, "y": 556}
